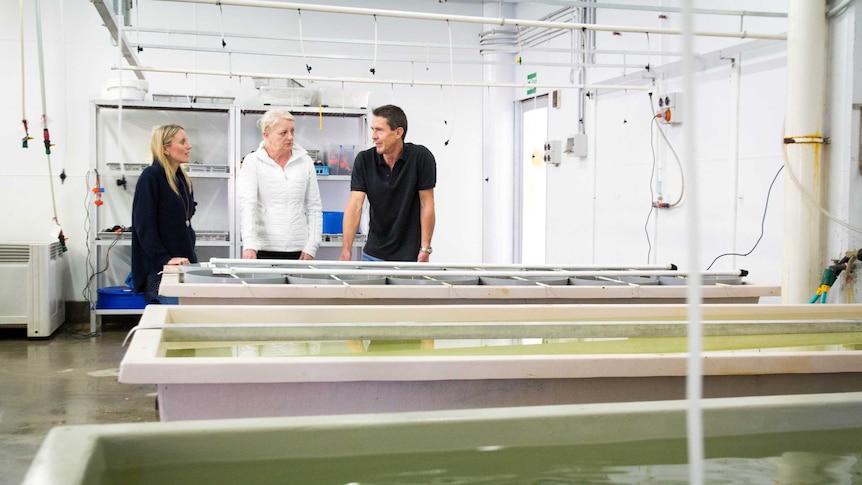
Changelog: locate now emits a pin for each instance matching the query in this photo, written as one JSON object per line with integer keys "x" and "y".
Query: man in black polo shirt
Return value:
{"x": 398, "y": 178}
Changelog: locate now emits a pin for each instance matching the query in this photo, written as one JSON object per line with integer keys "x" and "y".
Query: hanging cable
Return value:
{"x": 63, "y": 40}
{"x": 679, "y": 163}
{"x": 121, "y": 182}
{"x": 807, "y": 196}
{"x": 302, "y": 42}
{"x": 374, "y": 61}
{"x": 625, "y": 72}
{"x": 762, "y": 224}
{"x": 518, "y": 59}
{"x": 651, "y": 193}
{"x": 452, "y": 86}
{"x": 24, "y": 141}
{"x": 138, "y": 23}
{"x": 221, "y": 14}
{"x": 45, "y": 133}
{"x": 648, "y": 56}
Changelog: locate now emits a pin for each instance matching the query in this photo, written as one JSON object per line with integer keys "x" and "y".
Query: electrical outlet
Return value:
{"x": 670, "y": 108}
{"x": 576, "y": 145}
{"x": 553, "y": 151}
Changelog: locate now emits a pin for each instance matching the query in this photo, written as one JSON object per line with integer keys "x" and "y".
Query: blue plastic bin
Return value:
{"x": 333, "y": 222}
{"x": 119, "y": 297}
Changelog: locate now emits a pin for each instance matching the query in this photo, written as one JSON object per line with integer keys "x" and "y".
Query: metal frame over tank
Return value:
{"x": 374, "y": 283}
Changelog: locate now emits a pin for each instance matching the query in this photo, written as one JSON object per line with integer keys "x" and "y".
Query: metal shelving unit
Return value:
{"x": 316, "y": 127}
{"x": 221, "y": 134}
{"x": 209, "y": 126}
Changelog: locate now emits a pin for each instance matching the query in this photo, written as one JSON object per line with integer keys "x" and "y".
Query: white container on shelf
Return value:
{"x": 132, "y": 89}
{"x": 343, "y": 98}
{"x": 287, "y": 96}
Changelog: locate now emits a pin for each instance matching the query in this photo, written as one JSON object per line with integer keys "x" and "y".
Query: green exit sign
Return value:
{"x": 531, "y": 79}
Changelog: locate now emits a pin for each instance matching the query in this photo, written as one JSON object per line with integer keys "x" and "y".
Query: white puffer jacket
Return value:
{"x": 279, "y": 209}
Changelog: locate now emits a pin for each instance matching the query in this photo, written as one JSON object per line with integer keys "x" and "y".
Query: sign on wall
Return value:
{"x": 531, "y": 79}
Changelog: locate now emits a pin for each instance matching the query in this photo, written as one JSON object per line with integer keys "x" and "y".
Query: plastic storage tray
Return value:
{"x": 119, "y": 298}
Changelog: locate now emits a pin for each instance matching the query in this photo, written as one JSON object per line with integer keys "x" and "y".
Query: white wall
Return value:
{"x": 79, "y": 57}
{"x": 621, "y": 158}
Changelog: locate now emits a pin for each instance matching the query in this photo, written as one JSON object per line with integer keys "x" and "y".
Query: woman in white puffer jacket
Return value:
{"x": 279, "y": 200}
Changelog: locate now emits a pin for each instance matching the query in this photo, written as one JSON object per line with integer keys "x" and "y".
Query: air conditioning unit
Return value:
{"x": 31, "y": 287}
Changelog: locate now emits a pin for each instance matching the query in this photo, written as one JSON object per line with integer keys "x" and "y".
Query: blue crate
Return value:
{"x": 321, "y": 169}
{"x": 333, "y": 222}
{"x": 119, "y": 297}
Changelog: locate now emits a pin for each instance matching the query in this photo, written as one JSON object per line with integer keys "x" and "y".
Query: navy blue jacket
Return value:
{"x": 159, "y": 230}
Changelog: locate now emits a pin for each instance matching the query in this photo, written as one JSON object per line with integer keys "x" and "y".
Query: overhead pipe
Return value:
{"x": 654, "y": 8}
{"x": 475, "y": 19}
{"x": 383, "y": 81}
{"x": 803, "y": 149}
{"x": 486, "y": 43}
{"x": 220, "y": 50}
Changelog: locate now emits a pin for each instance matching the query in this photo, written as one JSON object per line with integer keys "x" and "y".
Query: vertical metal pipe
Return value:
{"x": 734, "y": 149}
{"x": 593, "y": 154}
{"x": 694, "y": 294}
{"x": 497, "y": 155}
{"x": 806, "y": 68}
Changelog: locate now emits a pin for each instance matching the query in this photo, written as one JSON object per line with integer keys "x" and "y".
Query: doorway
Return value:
{"x": 530, "y": 181}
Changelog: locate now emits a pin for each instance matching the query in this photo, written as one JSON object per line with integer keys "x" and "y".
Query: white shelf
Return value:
{"x": 309, "y": 110}
{"x": 128, "y": 242}
{"x": 337, "y": 244}
{"x": 118, "y": 311}
{"x": 192, "y": 173}
{"x": 163, "y": 105}
{"x": 203, "y": 242}
{"x": 333, "y": 177}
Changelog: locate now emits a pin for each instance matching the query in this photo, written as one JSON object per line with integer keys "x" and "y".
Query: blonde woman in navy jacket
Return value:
{"x": 162, "y": 211}
{"x": 281, "y": 216}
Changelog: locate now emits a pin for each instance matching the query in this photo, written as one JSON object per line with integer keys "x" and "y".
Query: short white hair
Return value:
{"x": 271, "y": 118}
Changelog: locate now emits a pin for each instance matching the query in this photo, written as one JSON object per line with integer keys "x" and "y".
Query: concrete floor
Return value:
{"x": 64, "y": 380}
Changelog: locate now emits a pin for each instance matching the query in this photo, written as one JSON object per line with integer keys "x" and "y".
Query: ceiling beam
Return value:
{"x": 110, "y": 23}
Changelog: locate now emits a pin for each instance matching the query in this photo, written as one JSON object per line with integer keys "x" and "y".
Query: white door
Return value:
{"x": 531, "y": 182}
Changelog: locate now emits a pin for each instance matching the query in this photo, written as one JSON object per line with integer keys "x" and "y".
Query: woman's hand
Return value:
{"x": 249, "y": 254}
{"x": 179, "y": 261}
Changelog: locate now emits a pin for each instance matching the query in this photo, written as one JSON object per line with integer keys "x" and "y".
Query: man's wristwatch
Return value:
{"x": 426, "y": 250}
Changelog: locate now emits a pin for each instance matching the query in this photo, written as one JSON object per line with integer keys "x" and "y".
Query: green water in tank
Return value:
{"x": 530, "y": 346}
{"x": 814, "y": 457}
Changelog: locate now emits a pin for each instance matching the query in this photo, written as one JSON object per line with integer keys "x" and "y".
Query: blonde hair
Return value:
{"x": 163, "y": 135}
{"x": 271, "y": 118}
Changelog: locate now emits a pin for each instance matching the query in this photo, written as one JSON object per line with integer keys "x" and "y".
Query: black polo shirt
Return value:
{"x": 395, "y": 227}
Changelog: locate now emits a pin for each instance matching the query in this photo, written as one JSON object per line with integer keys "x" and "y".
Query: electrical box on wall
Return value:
{"x": 553, "y": 151}
{"x": 576, "y": 145}
{"x": 670, "y": 108}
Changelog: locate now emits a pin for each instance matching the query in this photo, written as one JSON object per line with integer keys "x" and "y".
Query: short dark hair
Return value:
{"x": 395, "y": 117}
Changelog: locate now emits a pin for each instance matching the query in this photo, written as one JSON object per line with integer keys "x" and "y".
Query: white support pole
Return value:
{"x": 806, "y": 68}
{"x": 497, "y": 156}
{"x": 735, "y": 89}
{"x": 694, "y": 293}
